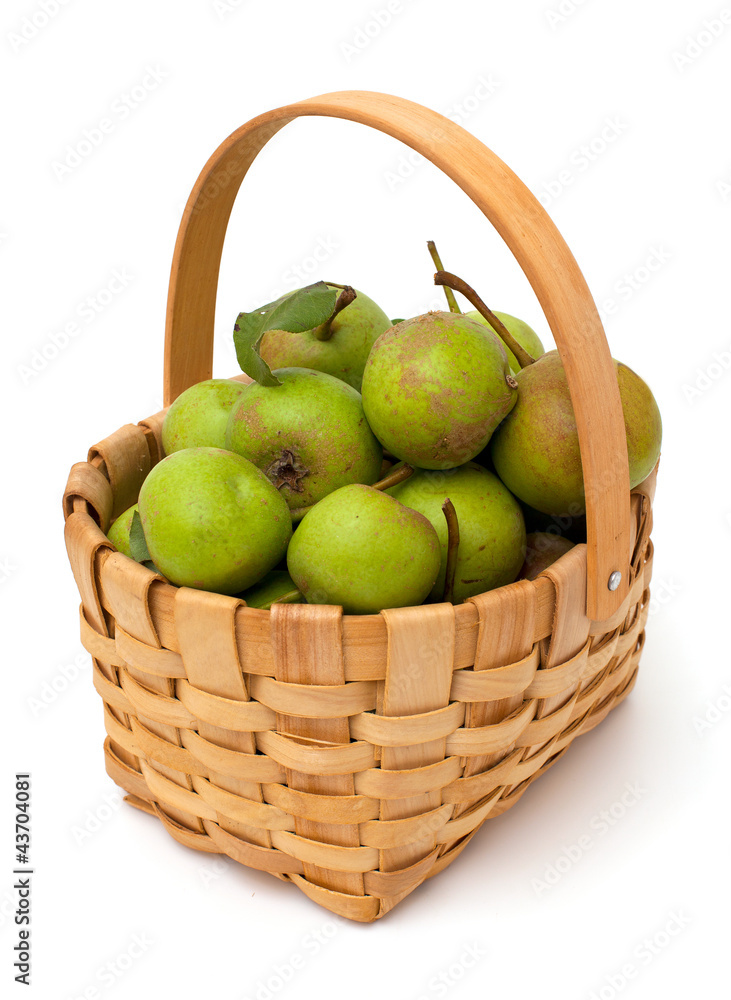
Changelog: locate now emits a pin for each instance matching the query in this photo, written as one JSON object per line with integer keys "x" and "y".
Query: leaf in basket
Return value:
{"x": 305, "y": 309}
{"x": 137, "y": 543}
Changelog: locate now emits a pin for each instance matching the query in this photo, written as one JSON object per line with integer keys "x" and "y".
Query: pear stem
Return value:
{"x": 451, "y": 301}
{"x": 348, "y": 295}
{"x": 392, "y": 479}
{"x": 452, "y": 281}
{"x": 452, "y": 549}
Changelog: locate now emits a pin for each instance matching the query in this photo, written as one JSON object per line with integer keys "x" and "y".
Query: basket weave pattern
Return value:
{"x": 424, "y": 721}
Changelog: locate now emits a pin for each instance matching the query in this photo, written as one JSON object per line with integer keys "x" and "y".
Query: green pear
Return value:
{"x": 309, "y": 435}
{"x": 435, "y": 388}
{"x": 542, "y": 549}
{"x": 339, "y": 348}
{"x": 524, "y": 334}
{"x": 118, "y": 534}
{"x": 198, "y": 417}
{"x": 364, "y": 551}
{"x": 212, "y": 520}
{"x": 491, "y": 526}
{"x": 536, "y": 448}
{"x": 274, "y": 588}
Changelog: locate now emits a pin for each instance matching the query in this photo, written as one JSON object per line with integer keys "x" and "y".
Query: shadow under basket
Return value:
{"x": 356, "y": 756}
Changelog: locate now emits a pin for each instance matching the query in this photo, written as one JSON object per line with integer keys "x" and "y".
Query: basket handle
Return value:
{"x": 527, "y": 230}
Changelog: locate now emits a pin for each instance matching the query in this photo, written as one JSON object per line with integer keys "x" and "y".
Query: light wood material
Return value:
{"x": 414, "y": 641}
{"x": 354, "y": 756}
{"x": 527, "y": 230}
{"x": 307, "y": 642}
{"x": 507, "y": 629}
{"x": 205, "y": 626}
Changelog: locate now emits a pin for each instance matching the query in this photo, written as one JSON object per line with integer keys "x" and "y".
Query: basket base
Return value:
{"x": 371, "y": 907}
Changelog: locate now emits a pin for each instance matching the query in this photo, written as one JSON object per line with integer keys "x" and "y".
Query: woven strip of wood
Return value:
{"x": 354, "y": 756}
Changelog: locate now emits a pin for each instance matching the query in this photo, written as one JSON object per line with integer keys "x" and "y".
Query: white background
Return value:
{"x": 640, "y": 912}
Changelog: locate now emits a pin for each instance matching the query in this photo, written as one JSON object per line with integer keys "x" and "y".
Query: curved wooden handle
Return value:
{"x": 525, "y": 227}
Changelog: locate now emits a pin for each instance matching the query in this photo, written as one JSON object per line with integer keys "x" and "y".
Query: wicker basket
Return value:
{"x": 356, "y": 756}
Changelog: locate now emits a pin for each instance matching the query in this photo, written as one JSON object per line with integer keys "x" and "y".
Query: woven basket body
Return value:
{"x": 357, "y": 755}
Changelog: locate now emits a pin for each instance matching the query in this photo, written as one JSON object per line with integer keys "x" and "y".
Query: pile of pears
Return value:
{"x": 373, "y": 463}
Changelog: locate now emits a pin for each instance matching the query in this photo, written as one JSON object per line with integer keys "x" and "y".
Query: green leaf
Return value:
{"x": 304, "y": 310}
{"x": 293, "y": 597}
{"x": 137, "y": 543}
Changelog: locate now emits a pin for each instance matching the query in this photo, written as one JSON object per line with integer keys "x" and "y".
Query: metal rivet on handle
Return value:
{"x": 614, "y": 580}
